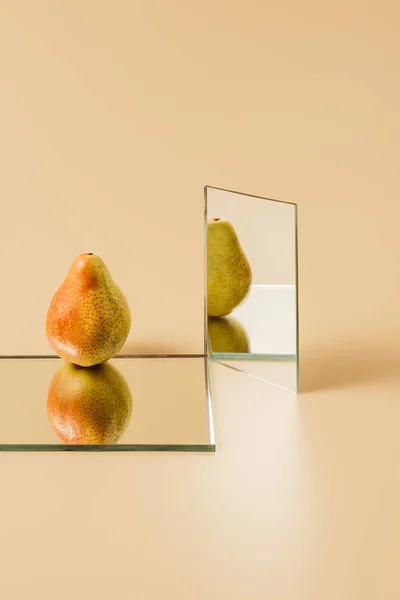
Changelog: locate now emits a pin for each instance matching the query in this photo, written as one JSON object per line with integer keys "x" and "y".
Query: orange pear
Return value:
{"x": 88, "y": 319}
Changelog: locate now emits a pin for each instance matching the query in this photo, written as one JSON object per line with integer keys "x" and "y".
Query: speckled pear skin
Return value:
{"x": 228, "y": 270}
{"x": 88, "y": 319}
{"x": 89, "y": 405}
{"x": 228, "y": 335}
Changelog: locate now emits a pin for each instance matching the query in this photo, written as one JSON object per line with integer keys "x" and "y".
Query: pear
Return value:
{"x": 88, "y": 319}
{"x": 227, "y": 335}
{"x": 89, "y": 405}
{"x": 228, "y": 270}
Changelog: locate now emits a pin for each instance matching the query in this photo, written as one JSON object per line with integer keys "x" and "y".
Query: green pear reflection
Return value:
{"x": 91, "y": 405}
{"x": 228, "y": 335}
{"x": 228, "y": 270}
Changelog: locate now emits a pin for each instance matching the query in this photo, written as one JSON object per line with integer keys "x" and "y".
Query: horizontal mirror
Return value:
{"x": 251, "y": 305}
{"x": 123, "y": 404}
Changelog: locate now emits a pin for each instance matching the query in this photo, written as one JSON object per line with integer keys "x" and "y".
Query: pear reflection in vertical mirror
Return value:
{"x": 252, "y": 285}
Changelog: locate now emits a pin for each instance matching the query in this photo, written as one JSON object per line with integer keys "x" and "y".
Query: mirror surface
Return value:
{"x": 125, "y": 404}
{"x": 252, "y": 285}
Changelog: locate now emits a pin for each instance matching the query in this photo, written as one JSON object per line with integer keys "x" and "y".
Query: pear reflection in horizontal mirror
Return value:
{"x": 228, "y": 335}
{"x": 91, "y": 405}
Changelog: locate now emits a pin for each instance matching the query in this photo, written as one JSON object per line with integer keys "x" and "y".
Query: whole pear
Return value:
{"x": 89, "y": 405}
{"x": 228, "y": 335}
{"x": 228, "y": 270}
{"x": 88, "y": 319}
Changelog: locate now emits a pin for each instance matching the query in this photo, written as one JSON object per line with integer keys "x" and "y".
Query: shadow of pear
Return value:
{"x": 227, "y": 335}
{"x": 89, "y": 405}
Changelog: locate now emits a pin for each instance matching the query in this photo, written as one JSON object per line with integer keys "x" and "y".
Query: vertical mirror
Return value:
{"x": 251, "y": 295}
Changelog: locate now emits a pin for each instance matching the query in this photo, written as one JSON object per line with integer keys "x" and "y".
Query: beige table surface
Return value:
{"x": 300, "y": 501}
{"x": 137, "y": 106}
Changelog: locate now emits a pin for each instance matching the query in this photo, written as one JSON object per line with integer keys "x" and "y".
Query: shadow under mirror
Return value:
{"x": 123, "y": 404}
{"x": 252, "y": 306}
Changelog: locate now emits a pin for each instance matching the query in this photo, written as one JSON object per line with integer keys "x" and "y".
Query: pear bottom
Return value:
{"x": 90, "y": 405}
{"x": 228, "y": 335}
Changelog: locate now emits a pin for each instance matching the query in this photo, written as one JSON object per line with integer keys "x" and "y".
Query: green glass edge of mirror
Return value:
{"x": 106, "y": 448}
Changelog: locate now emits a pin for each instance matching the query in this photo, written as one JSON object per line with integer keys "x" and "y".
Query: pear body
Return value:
{"x": 228, "y": 270}
{"x": 88, "y": 319}
{"x": 89, "y": 405}
{"x": 228, "y": 335}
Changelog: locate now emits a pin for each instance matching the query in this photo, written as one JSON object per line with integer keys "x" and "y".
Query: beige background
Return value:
{"x": 298, "y": 101}
{"x": 86, "y": 168}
